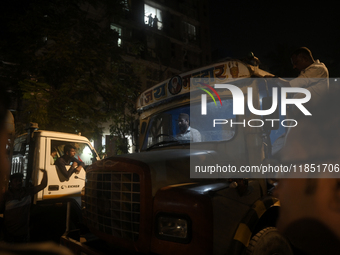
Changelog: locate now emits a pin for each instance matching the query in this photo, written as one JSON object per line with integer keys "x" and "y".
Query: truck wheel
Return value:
{"x": 269, "y": 242}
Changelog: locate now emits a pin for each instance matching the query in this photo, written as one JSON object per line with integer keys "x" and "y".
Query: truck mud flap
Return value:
{"x": 76, "y": 246}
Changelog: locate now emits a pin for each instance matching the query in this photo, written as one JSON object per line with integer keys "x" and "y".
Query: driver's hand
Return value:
{"x": 78, "y": 169}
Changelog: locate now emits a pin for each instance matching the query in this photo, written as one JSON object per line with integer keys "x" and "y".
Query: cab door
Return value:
{"x": 58, "y": 187}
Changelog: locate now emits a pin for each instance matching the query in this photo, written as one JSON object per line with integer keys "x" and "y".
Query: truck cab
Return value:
{"x": 153, "y": 201}
{"x": 38, "y": 149}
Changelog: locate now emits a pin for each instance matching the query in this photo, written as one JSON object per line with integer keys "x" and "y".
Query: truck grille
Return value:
{"x": 113, "y": 203}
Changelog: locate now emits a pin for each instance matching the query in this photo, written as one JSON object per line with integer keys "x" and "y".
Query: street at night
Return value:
{"x": 169, "y": 127}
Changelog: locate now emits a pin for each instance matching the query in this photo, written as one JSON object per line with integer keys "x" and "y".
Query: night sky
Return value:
{"x": 240, "y": 27}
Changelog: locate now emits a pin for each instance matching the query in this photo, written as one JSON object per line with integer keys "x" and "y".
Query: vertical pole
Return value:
{"x": 29, "y": 153}
{"x": 68, "y": 213}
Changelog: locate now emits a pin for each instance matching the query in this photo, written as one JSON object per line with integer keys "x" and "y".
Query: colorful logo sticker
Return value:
{"x": 208, "y": 92}
{"x": 175, "y": 85}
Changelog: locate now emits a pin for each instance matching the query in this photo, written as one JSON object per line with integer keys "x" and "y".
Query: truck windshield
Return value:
{"x": 167, "y": 128}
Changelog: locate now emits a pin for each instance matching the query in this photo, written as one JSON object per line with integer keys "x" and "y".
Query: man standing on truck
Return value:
{"x": 16, "y": 206}
{"x": 187, "y": 132}
{"x": 67, "y": 159}
{"x": 313, "y": 76}
{"x": 303, "y": 61}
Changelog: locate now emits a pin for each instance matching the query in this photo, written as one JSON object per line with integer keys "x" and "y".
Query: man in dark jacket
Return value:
{"x": 68, "y": 159}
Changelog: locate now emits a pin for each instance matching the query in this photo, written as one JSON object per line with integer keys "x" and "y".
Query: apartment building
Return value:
{"x": 164, "y": 37}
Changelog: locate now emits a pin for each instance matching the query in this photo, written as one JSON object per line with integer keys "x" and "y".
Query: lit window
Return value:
{"x": 189, "y": 31}
{"x": 119, "y": 31}
{"x": 153, "y": 17}
{"x": 125, "y": 5}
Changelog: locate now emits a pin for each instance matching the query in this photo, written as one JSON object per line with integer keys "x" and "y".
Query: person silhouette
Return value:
{"x": 155, "y": 22}
{"x": 150, "y": 19}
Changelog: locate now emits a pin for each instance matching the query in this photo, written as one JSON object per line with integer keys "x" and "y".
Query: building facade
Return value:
{"x": 165, "y": 37}
{"x": 162, "y": 39}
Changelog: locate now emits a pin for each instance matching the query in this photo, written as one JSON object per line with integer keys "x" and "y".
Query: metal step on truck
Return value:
{"x": 183, "y": 192}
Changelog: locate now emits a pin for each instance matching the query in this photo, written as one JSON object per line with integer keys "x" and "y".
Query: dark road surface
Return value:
{"x": 47, "y": 223}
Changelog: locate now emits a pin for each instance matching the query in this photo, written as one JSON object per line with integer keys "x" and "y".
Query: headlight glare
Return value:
{"x": 174, "y": 228}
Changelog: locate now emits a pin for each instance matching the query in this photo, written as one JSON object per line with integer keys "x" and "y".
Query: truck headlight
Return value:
{"x": 174, "y": 228}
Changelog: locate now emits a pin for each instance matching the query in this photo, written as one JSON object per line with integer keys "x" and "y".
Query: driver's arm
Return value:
{"x": 77, "y": 164}
{"x": 61, "y": 166}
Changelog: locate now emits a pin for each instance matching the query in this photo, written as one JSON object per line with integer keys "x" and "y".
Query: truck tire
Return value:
{"x": 269, "y": 241}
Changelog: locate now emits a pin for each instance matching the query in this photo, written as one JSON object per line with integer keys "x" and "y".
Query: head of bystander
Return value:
{"x": 310, "y": 207}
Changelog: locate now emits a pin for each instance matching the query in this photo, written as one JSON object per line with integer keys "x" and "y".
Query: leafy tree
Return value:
{"x": 65, "y": 57}
{"x": 123, "y": 110}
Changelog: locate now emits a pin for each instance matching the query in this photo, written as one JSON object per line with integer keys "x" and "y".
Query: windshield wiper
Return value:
{"x": 162, "y": 143}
